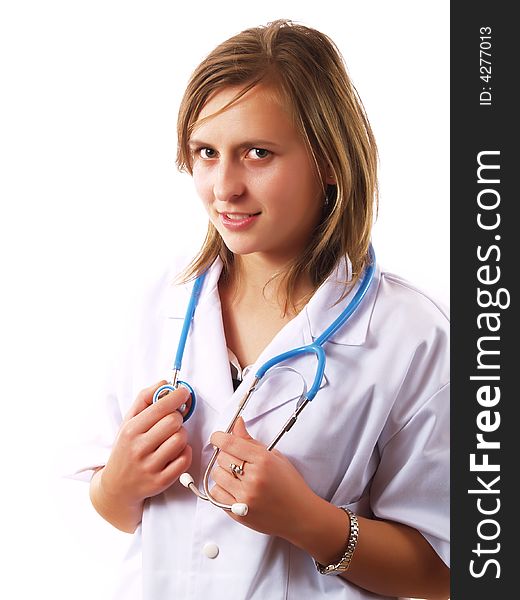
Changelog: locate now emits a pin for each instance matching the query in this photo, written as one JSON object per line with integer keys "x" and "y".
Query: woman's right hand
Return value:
{"x": 149, "y": 454}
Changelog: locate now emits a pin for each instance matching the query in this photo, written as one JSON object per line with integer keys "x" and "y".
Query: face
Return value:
{"x": 255, "y": 176}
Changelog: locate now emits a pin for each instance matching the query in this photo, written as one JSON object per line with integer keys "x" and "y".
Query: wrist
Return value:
{"x": 320, "y": 530}
{"x": 342, "y": 565}
{"x": 111, "y": 490}
{"x": 112, "y": 506}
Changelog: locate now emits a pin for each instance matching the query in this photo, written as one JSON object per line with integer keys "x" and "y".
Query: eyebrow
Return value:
{"x": 256, "y": 143}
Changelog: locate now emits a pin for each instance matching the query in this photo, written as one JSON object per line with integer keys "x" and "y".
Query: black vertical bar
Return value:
{"x": 484, "y": 299}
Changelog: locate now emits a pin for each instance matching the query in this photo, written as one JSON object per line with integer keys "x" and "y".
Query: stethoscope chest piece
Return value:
{"x": 274, "y": 364}
{"x": 185, "y": 409}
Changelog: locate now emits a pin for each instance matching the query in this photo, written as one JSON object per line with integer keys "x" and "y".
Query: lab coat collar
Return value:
{"x": 320, "y": 312}
{"x": 206, "y": 349}
{"x": 324, "y": 307}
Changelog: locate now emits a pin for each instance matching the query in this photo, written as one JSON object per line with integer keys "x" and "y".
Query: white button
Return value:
{"x": 210, "y": 550}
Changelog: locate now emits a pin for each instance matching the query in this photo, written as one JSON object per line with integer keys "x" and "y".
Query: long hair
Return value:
{"x": 307, "y": 70}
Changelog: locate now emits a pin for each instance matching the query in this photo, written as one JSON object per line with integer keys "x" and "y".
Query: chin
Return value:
{"x": 239, "y": 247}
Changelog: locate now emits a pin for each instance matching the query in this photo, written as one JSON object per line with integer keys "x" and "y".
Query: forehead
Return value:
{"x": 260, "y": 108}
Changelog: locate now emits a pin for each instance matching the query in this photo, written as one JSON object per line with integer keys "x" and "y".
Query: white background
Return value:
{"x": 92, "y": 206}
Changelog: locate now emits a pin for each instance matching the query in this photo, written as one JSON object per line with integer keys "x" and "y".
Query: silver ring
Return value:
{"x": 237, "y": 470}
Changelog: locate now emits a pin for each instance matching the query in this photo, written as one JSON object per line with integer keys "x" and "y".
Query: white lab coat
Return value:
{"x": 375, "y": 438}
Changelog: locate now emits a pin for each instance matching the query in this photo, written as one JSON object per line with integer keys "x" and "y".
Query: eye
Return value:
{"x": 258, "y": 153}
{"x": 205, "y": 152}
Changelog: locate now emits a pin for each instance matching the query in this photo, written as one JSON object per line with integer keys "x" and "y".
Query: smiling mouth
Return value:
{"x": 239, "y": 216}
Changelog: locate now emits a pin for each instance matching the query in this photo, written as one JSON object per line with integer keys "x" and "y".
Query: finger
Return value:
{"x": 237, "y": 446}
{"x": 161, "y": 431}
{"x": 224, "y": 460}
{"x": 145, "y": 420}
{"x": 225, "y": 479}
{"x": 176, "y": 467}
{"x": 170, "y": 449}
{"x": 240, "y": 430}
{"x": 143, "y": 400}
{"x": 222, "y": 495}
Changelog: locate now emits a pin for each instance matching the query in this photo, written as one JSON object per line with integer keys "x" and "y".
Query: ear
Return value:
{"x": 327, "y": 173}
{"x": 330, "y": 179}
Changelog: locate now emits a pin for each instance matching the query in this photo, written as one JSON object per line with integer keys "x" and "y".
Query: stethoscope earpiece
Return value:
{"x": 240, "y": 509}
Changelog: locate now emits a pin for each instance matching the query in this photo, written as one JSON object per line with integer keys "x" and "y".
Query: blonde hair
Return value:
{"x": 308, "y": 71}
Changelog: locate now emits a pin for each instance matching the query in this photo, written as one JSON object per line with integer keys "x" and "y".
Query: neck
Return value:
{"x": 255, "y": 272}
{"x": 255, "y": 276}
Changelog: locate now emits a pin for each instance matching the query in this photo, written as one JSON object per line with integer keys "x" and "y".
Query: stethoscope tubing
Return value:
{"x": 188, "y": 318}
{"x": 315, "y": 348}
{"x": 353, "y": 304}
{"x": 174, "y": 383}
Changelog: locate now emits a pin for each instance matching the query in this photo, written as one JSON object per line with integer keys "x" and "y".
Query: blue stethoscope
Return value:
{"x": 306, "y": 396}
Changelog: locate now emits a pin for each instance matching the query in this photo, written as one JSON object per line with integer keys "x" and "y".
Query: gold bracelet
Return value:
{"x": 344, "y": 562}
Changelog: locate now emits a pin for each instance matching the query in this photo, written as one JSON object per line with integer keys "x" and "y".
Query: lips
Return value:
{"x": 238, "y": 221}
{"x": 238, "y": 216}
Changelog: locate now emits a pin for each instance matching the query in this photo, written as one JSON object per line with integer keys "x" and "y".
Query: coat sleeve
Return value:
{"x": 96, "y": 435}
{"x": 408, "y": 352}
{"x": 412, "y": 482}
{"x": 129, "y": 373}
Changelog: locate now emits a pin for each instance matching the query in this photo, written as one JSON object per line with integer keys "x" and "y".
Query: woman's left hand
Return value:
{"x": 274, "y": 491}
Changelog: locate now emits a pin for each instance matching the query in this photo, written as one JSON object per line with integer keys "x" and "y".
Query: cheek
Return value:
{"x": 202, "y": 183}
{"x": 303, "y": 198}
{"x": 276, "y": 187}
{"x": 298, "y": 182}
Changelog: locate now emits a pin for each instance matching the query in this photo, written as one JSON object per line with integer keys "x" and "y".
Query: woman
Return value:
{"x": 353, "y": 502}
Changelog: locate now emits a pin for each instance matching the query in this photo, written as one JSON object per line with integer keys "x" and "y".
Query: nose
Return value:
{"x": 229, "y": 181}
